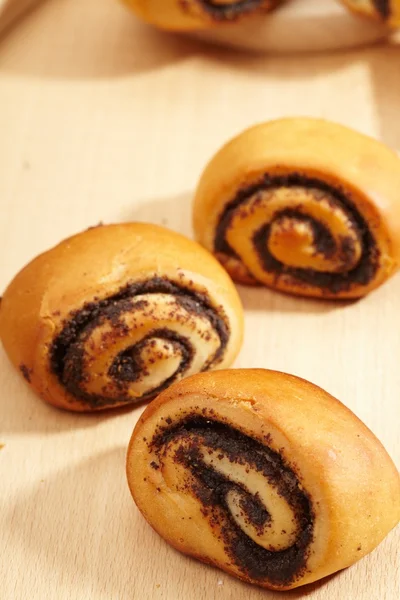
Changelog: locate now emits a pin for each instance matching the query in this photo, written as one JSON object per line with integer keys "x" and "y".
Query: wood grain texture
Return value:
{"x": 115, "y": 122}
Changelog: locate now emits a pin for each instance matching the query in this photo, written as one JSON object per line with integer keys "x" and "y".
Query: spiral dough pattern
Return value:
{"x": 230, "y": 467}
{"x": 305, "y": 206}
{"x": 116, "y": 314}
{"x": 132, "y": 345}
{"x": 247, "y": 494}
{"x": 301, "y": 228}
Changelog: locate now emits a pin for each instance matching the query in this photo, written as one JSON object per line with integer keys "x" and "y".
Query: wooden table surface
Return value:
{"x": 103, "y": 119}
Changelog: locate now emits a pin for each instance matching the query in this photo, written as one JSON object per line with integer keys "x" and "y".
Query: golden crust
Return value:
{"x": 362, "y": 168}
{"x": 95, "y": 265}
{"x": 387, "y": 11}
{"x": 185, "y": 15}
{"x": 352, "y": 484}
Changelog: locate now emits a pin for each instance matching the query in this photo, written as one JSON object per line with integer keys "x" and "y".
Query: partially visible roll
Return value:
{"x": 305, "y": 206}
{"x": 387, "y": 11}
{"x": 298, "y": 26}
{"x": 114, "y": 315}
{"x": 186, "y": 15}
{"x": 263, "y": 475}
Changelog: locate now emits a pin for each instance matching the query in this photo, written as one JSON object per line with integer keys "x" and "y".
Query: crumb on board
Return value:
{"x": 2, "y": 446}
{"x": 158, "y": 585}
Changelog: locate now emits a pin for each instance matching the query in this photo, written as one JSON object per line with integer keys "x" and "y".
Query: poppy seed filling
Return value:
{"x": 324, "y": 242}
{"x": 67, "y": 352}
{"x": 211, "y": 488}
{"x": 229, "y": 11}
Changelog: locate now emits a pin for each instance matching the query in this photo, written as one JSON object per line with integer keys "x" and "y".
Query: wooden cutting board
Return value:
{"x": 104, "y": 119}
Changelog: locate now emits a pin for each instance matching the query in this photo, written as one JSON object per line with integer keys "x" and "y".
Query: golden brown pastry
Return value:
{"x": 305, "y": 206}
{"x": 384, "y": 10}
{"x": 182, "y": 15}
{"x": 263, "y": 475}
{"x": 114, "y": 315}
